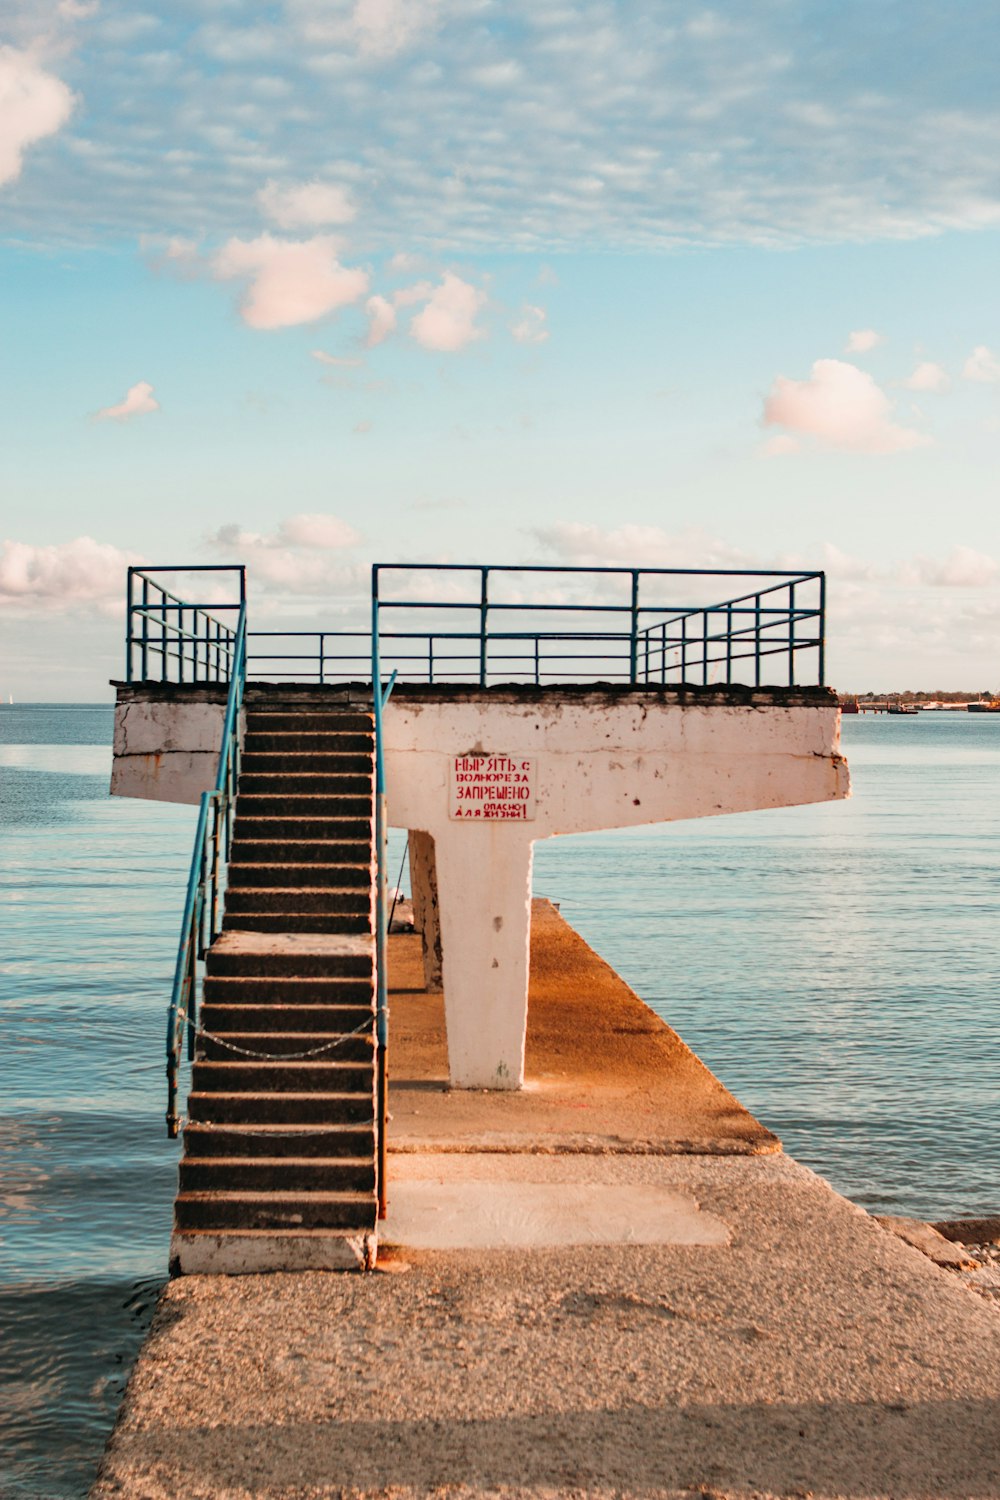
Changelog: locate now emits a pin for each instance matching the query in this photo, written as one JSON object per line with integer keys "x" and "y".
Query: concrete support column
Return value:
{"x": 484, "y": 890}
{"x": 426, "y": 916}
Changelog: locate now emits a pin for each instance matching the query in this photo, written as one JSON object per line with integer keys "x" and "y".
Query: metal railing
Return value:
{"x": 651, "y": 633}
{"x": 212, "y": 843}
{"x": 168, "y": 639}
{"x": 379, "y": 699}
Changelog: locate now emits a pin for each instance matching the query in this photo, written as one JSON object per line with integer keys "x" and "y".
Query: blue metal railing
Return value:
{"x": 212, "y": 843}
{"x": 649, "y": 638}
{"x": 379, "y": 699}
{"x": 168, "y": 639}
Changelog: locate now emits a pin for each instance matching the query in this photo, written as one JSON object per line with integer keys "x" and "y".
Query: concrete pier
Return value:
{"x": 651, "y": 1301}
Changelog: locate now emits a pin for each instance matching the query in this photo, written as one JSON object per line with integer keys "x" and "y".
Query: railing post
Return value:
{"x": 729, "y": 645}
{"x": 381, "y": 915}
{"x": 822, "y": 630}
{"x": 756, "y": 642}
{"x": 684, "y": 648}
{"x": 128, "y": 625}
{"x": 791, "y": 635}
{"x": 633, "y": 648}
{"x": 322, "y": 659}
{"x": 483, "y": 608}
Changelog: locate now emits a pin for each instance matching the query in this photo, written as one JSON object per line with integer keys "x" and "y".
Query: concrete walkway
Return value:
{"x": 742, "y": 1331}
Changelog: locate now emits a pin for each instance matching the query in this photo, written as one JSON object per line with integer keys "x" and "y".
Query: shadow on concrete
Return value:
{"x": 946, "y": 1449}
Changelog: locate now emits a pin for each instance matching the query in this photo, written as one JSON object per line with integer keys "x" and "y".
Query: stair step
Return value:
{"x": 322, "y": 1046}
{"x": 283, "y": 720}
{"x": 353, "y": 811}
{"x": 315, "y": 992}
{"x": 337, "y": 900}
{"x": 302, "y": 1021}
{"x": 289, "y": 962}
{"x": 241, "y": 1108}
{"x": 351, "y": 1174}
{"x": 325, "y": 742}
{"x": 274, "y": 1210}
{"x": 304, "y": 921}
{"x": 278, "y": 823}
{"x": 283, "y": 876}
{"x": 302, "y": 852}
{"x": 307, "y": 763}
{"x": 246, "y": 1076}
{"x": 356, "y": 790}
{"x": 273, "y": 1142}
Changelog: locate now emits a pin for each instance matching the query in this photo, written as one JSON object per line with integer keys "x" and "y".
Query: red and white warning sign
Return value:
{"x": 492, "y": 788}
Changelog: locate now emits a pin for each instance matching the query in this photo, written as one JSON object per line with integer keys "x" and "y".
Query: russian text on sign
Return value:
{"x": 492, "y": 788}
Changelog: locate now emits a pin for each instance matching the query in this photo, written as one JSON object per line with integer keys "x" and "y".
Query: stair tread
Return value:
{"x": 289, "y": 1162}
{"x": 272, "y": 1195}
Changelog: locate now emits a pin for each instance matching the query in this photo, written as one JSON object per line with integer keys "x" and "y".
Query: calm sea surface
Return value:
{"x": 838, "y": 967}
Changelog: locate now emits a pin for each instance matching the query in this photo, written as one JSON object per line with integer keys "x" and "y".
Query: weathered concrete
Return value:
{"x": 571, "y": 761}
{"x": 603, "y": 1072}
{"x": 814, "y": 1354}
{"x": 472, "y": 1202}
{"x": 166, "y": 744}
{"x": 479, "y": 774}
{"x": 804, "y": 1352}
{"x": 426, "y": 915}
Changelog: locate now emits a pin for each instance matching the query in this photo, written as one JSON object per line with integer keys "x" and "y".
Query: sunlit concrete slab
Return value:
{"x": 472, "y": 1202}
{"x": 603, "y": 1071}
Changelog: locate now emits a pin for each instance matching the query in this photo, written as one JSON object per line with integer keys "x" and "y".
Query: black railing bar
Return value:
{"x": 199, "y": 609}
{"x": 775, "y": 588}
{"x": 623, "y": 572}
{"x": 714, "y": 609}
{"x": 176, "y": 631}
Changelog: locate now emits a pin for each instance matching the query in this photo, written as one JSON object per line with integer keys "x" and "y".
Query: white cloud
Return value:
{"x": 530, "y": 327}
{"x": 982, "y": 365}
{"x": 779, "y": 446}
{"x": 33, "y": 104}
{"x": 840, "y": 406}
{"x": 138, "y": 401}
{"x": 305, "y": 555}
{"x": 448, "y": 321}
{"x": 338, "y": 361}
{"x": 583, "y": 544}
{"x": 862, "y": 340}
{"x": 382, "y": 320}
{"x": 306, "y": 204}
{"x": 323, "y": 532}
{"x": 963, "y": 568}
{"x": 927, "y": 377}
{"x": 65, "y": 574}
{"x": 291, "y": 281}
{"x": 384, "y": 27}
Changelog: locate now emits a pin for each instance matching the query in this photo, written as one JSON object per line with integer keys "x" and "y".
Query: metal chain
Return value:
{"x": 286, "y": 1056}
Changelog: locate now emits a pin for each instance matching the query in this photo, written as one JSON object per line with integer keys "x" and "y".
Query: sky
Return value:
{"x": 318, "y": 283}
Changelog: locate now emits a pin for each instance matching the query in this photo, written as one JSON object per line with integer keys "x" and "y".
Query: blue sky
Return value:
{"x": 320, "y": 282}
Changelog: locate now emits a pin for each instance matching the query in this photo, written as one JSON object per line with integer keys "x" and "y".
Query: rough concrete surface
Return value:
{"x": 814, "y": 1355}
{"x": 806, "y": 1352}
{"x": 603, "y": 1072}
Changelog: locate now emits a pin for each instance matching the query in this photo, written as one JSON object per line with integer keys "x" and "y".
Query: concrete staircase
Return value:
{"x": 279, "y": 1163}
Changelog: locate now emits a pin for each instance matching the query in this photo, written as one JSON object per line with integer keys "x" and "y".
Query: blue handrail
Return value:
{"x": 379, "y": 700}
{"x": 212, "y": 842}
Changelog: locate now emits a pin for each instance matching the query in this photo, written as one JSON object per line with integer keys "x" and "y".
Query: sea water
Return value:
{"x": 836, "y": 966}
